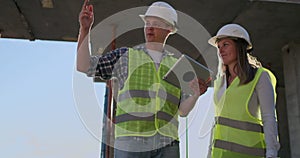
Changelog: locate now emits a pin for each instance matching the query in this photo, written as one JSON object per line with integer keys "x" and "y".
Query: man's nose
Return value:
{"x": 149, "y": 27}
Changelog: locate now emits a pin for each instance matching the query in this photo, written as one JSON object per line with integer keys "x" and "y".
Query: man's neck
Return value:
{"x": 155, "y": 46}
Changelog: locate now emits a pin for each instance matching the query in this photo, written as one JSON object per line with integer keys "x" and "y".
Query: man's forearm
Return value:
{"x": 83, "y": 51}
{"x": 187, "y": 105}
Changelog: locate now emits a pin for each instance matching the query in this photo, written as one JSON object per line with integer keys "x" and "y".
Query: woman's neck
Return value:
{"x": 232, "y": 69}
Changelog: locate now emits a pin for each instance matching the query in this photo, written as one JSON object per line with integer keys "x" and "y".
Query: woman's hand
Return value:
{"x": 86, "y": 16}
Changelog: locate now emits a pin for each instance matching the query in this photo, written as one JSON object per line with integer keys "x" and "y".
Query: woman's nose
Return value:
{"x": 220, "y": 48}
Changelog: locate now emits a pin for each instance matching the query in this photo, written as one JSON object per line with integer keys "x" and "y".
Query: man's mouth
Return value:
{"x": 150, "y": 34}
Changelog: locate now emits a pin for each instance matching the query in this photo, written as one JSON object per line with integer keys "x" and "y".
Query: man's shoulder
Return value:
{"x": 122, "y": 50}
{"x": 118, "y": 52}
{"x": 140, "y": 47}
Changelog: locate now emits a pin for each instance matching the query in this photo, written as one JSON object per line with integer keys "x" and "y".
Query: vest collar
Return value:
{"x": 142, "y": 47}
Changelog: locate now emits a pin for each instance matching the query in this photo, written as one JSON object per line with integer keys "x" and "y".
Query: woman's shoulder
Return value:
{"x": 267, "y": 76}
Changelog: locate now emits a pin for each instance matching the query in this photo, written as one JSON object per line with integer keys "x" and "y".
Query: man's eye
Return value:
{"x": 154, "y": 24}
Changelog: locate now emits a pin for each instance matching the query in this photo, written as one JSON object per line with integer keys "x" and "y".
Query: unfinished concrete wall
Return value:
{"x": 291, "y": 68}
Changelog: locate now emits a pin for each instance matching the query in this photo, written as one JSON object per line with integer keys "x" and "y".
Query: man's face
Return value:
{"x": 156, "y": 29}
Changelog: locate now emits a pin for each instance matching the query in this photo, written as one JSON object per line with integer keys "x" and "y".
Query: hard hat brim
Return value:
{"x": 175, "y": 28}
{"x": 213, "y": 41}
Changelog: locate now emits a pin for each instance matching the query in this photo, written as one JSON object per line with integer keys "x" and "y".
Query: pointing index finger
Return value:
{"x": 85, "y": 3}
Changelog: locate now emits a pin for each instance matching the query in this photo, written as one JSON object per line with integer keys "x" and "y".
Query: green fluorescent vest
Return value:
{"x": 147, "y": 104}
{"x": 237, "y": 133}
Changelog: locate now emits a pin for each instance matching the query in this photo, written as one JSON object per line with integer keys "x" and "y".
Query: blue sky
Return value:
{"x": 39, "y": 117}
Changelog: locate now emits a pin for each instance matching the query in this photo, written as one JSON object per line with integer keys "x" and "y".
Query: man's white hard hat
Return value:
{"x": 164, "y": 11}
{"x": 231, "y": 30}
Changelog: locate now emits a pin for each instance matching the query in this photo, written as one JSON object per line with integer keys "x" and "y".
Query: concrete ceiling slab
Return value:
{"x": 272, "y": 24}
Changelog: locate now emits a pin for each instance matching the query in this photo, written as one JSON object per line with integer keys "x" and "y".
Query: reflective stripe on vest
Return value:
{"x": 242, "y": 125}
{"x": 149, "y": 94}
{"x": 239, "y": 148}
{"x": 146, "y": 116}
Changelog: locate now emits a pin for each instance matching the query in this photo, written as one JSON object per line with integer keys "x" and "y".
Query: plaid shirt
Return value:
{"x": 114, "y": 64}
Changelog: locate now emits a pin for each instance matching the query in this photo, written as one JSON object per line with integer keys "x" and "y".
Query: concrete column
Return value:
{"x": 283, "y": 126}
{"x": 291, "y": 68}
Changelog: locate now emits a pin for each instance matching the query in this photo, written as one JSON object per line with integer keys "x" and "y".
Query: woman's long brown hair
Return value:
{"x": 245, "y": 70}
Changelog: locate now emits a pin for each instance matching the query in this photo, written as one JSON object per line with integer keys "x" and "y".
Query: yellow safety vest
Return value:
{"x": 147, "y": 104}
{"x": 238, "y": 134}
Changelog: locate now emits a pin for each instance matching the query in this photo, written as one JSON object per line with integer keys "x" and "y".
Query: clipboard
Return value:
{"x": 185, "y": 70}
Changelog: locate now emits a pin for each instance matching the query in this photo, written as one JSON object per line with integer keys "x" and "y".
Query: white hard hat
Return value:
{"x": 231, "y": 30}
{"x": 164, "y": 11}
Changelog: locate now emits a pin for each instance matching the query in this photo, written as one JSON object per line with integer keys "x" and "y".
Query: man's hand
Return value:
{"x": 86, "y": 19}
{"x": 86, "y": 16}
{"x": 199, "y": 86}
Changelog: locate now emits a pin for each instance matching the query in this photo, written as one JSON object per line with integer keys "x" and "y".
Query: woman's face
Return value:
{"x": 228, "y": 51}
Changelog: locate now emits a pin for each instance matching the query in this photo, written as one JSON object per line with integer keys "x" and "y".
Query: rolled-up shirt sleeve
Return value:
{"x": 93, "y": 64}
{"x": 102, "y": 65}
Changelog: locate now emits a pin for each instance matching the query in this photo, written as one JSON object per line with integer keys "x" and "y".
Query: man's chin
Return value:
{"x": 149, "y": 39}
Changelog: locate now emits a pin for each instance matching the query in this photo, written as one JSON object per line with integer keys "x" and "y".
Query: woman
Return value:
{"x": 244, "y": 100}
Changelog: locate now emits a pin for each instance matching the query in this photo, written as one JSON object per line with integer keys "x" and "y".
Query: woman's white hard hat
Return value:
{"x": 164, "y": 11}
{"x": 231, "y": 30}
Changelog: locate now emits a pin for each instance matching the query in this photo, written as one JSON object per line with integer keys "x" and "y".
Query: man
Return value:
{"x": 147, "y": 106}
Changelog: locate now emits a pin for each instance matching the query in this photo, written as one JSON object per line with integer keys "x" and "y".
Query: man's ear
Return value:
{"x": 170, "y": 29}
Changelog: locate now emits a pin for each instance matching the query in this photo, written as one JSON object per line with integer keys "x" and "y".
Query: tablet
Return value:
{"x": 185, "y": 70}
